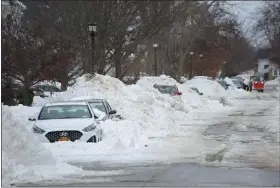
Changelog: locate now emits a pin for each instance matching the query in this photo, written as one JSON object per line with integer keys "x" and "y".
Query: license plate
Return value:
{"x": 63, "y": 139}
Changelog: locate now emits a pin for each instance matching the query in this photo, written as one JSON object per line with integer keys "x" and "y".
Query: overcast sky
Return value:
{"x": 247, "y": 13}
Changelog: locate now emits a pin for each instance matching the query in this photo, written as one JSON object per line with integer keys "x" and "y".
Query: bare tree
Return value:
{"x": 269, "y": 23}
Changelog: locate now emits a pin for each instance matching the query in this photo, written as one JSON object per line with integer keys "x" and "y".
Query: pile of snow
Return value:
{"x": 148, "y": 82}
{"x": 189, "y": 99}
{"x": 23, "y": 156}
{"x": 247, "y": 74}
{"x": 276, "y": 81}
{"x": 145, "y": 111}
{"x": 211, "y": 89}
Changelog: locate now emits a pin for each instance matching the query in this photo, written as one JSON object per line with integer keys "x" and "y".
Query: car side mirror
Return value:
{"x": 96, "y": 116}
{"x": 31, "y": 119}
{"x": 179, "y": 93}
{"x": 112, "y": 112}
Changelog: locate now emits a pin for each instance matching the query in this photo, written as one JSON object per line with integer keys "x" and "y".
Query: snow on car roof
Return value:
{"x": 85, "y": 98}
{"x": 66, "y": 103}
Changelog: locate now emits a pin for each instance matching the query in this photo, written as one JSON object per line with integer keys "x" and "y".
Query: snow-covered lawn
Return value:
{"x": 155, "y": 127}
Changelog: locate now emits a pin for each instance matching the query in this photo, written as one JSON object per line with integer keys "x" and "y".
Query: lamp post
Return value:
{"x": 191, "y": 65}
{"x": 224, "y": 69}
{"x": 92, "y": 29}
{"x": 155, "y": 58}
{"x": 201, "y": 64}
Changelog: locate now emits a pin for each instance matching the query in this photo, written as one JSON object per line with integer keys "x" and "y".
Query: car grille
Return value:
{"x": 55, "y": 135}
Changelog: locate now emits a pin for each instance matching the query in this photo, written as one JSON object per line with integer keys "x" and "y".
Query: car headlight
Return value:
{"x": 90, "y": 128}
{"x": 38, "y": 130}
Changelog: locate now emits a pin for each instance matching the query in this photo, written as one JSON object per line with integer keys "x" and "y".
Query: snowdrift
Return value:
{"x": 23, "y": 156}
{"x": 276, "y": 81}
{"x": 145, "y": 111}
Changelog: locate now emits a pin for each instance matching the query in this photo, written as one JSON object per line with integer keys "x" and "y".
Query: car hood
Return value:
{"x": 64, "y": 124}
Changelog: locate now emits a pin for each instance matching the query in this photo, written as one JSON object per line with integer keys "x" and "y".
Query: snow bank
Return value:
{"x": 211, "y": 89}
{"x": 23, "y": 156}
{"x": 145, "y": 111}
{"x": 207, "y": 87}
{"x": 276, "y": 81}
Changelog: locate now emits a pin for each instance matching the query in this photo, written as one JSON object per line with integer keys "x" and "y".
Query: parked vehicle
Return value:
{"x": 196, "y": 90}
{"x": 203, "y": 77}
{"x": 257, "y": 83}
{"x": 239, "y": 82}
{"x": 67, "y": 121}
{"x": 44, "y": 89}
{"x": 223, "y": 84}
{"x": 168, "y": 89}
{"x": 101, "y": 105}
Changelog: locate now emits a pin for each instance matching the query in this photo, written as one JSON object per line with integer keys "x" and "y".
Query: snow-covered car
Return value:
{"x": 67, "y": 121}
{"x": 239, "y": 82}
{"x": 101, "y": 105}
{"x": 224, "y": 84}
{"x": 203, "y": 77}
{"x": 196, "y": 90}
{"x": 46, "y": 90}
{"x": 168, "y": 89}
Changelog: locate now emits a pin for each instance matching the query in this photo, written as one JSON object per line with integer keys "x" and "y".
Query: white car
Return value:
{"x": 67, "y": 121}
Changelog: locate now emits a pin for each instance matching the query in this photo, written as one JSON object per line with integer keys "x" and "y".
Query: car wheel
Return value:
{"x": 261, "y": 90}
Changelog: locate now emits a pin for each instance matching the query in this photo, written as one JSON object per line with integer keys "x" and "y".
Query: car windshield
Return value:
{"x": 65, "y": 112}
{"x": 222, "y": 82}
{"x": 236, "y": 81}
{"x": 257, "y": 78}
{"x": 166, "y": 89}
{"x": 98, "y": 105}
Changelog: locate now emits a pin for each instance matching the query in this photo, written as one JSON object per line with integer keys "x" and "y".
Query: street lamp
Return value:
{"x": 201, "y": 64}
{"x": 155, "y": 45}
{"x": 92, "y": 29}
{"x": 224, "y": 69}
{"x": 191, "y": 68}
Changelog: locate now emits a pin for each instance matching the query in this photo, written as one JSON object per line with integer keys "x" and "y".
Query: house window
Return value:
{"x": 275, "y": 72}
{"x": 266, "y": 66}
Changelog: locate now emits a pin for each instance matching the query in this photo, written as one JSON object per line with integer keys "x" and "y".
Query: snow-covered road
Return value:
{"x": 236, "y": 147}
